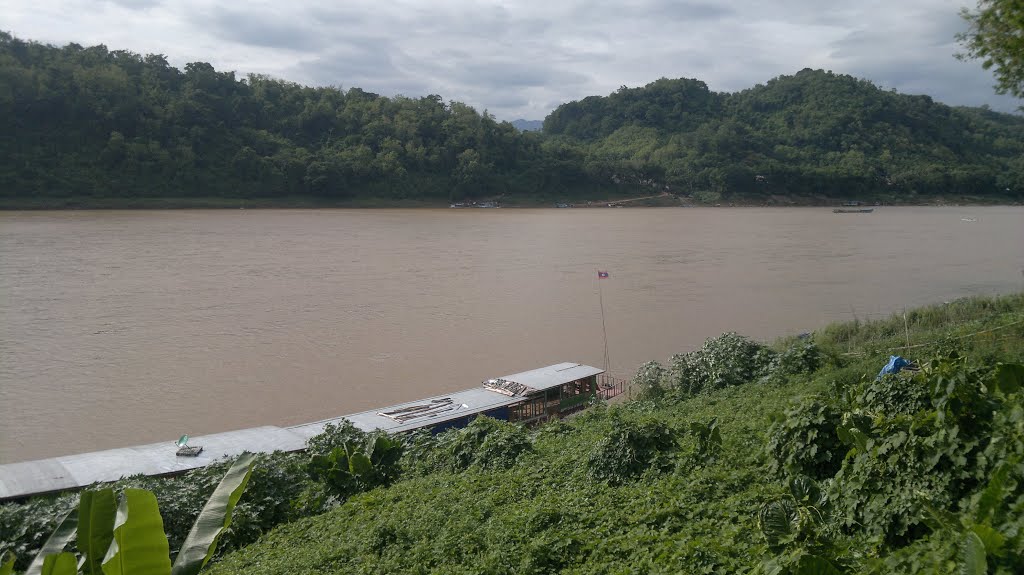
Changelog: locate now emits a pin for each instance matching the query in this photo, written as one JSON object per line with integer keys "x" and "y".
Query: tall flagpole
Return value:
{"x": 604, "y": 330}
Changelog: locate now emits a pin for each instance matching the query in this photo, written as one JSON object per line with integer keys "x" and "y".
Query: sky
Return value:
{"x": 522, "y": 58}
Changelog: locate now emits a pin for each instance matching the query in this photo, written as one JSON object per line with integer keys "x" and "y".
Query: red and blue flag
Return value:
{"x": 602, "y": 275}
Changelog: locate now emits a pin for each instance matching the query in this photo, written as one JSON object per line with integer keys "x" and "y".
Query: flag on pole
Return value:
{"x": 602, "y": 275}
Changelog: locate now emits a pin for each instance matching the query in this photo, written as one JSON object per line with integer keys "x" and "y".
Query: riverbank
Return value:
{"x": 311, "y": 202}
{"x": 672, "y": 482}
{"x": 687, "y": 479}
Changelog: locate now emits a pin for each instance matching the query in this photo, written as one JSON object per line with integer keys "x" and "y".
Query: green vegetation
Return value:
{"x": 737, "y": 458}
{"x": 996, "y": 36}
{"x": 345, "y": 461}
{"x": 129, "y": 538}
{"x": 805, "y": 464}
{"x": 813, "y": 135}
{"x": 90, "y": 127}
{"x": 274, "y": 494}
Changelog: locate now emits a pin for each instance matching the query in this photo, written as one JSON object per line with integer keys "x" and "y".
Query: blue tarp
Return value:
{"x": 896, "y": 363}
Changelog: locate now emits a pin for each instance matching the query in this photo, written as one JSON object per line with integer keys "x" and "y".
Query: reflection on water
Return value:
{"x": 119, "y": 328}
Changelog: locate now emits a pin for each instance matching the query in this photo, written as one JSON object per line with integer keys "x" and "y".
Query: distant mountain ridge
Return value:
{"x": 528, "y": 125}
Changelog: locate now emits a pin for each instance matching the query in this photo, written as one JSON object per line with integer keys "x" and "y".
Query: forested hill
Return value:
{"x": 90, "y": 126}
{"x": 812, "y": 133}
{"x": 92, "y": 123}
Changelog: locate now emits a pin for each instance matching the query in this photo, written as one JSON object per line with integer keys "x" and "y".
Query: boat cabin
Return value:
{"x": 548, "y": 392}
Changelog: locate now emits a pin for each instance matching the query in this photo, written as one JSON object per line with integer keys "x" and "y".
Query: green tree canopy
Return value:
{"x": 996, "y": 37}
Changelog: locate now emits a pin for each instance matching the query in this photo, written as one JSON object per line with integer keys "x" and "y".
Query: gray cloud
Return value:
{"x": 675, "y": 11}
{"x": 520, "y": 58}
{"x": 336, "y": 16}
{"x": 136, "y": 4}
{"x": 514, "y": 74}
{"x": 508, "y": 100}
{"x": 916, "y": 56}
{"x": 266, "y": 29}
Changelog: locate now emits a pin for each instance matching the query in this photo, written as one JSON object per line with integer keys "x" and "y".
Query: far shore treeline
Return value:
{"x": 83, "y": 127}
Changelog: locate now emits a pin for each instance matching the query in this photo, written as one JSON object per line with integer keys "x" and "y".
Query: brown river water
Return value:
{"x": 129, "y": 327}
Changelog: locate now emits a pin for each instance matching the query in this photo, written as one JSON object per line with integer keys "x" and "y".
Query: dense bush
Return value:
{"x": 631, "y": 448}
{"x": 898, "y": 461}
{"x": 485, "y": 443}
{"x": 277, "y": 482}
{"x": 25, "y": 527}
{"x": 917, "y": 450}
{"x": 796, "y": 528}
{"x": 709, "y": 440}
{"x": 802, "y": 356}
{"x": 489, "y": 444}
{"x": 803, "y": 441}
{"x": 356, "y": 467}
{"x": 725, "y": 361}
{"x": 649, "y": 381}
{"x": 892, "y": 394}
{"x": 334, "y": 436}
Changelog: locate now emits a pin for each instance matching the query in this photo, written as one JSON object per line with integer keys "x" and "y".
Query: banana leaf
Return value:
{"x": 96, "y": 513}
{"x": 140, "y": 544}
{"x": 215, "y": 517}
{"x": 359, "y": 464}
{"x": 975, "y": 562}
{"x": 60, "y": 564}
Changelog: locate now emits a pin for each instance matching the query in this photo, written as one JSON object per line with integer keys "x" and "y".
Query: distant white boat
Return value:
{"x": 968, "y": 219}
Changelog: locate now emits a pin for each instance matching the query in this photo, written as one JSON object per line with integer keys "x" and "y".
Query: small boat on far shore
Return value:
{"x": 853, "y": 210}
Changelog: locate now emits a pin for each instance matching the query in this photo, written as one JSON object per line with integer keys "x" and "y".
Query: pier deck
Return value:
{"x": 83, "y": 469}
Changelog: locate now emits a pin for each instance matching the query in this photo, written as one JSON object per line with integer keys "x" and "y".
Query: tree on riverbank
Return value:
{"x": 996, "y": 37}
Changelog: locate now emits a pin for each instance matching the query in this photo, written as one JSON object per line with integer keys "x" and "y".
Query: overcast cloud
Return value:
{"x": 521, "y": 58}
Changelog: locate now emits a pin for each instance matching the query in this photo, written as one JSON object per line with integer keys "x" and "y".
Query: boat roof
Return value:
{"x": 435, "y": 410}
{"x": 553, "y": 375}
